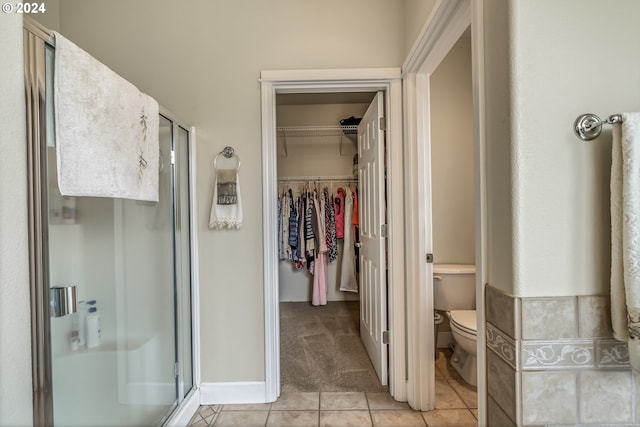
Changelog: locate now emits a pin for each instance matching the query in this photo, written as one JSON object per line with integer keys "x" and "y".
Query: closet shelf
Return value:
{"x": 284, "y": 132}
{"x": 301, "y": 131}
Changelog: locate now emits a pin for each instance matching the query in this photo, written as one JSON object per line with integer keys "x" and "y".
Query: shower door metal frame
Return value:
{"x": 178, "y": 262}
{"x": 36, "y": 39}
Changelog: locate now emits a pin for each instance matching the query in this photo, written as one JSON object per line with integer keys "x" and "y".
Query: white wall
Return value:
{"x": 51, "y": 17}
{"x": 561, "y": 199}
{"x": 416, "y": 13}
{"x": 15, "y": 320}
{"x": 499, "y": 191}
{"x": 202, "y": 60}
{"x": 452, "y": 170}
{"x": 548, "y": 220}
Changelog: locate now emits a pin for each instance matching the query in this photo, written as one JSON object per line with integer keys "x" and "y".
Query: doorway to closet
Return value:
{"x": 332, "y": 310}
{"x": 388, "y": 81}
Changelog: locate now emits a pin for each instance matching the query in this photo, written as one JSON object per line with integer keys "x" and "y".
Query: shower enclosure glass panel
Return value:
{"x": 131, "y": 262}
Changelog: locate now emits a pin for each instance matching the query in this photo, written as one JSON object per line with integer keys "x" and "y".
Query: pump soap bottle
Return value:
{"x": 93, "y": 328}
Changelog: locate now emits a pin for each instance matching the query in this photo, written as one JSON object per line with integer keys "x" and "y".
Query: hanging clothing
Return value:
{"x": 308, "y": 223}
{"x": 301, "y": 240}
{"x": 284, "y": 236}
{"x": 338, "y": 205}
{"x": 280, "y": 246}
{"x": 319, "y": 296}
{"x": 332, "y": 240}
{"x": 309, "y": 236}
{"x": 356, "y": 230}
{"x": 355, "y": 218}
{"x": 348, "y": 281}
{"x": 293, "y": 224}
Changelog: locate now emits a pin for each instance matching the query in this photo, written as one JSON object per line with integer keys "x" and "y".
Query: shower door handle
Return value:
{"x": 63, "y": 301}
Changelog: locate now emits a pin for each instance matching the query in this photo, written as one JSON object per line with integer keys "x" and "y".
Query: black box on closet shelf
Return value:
{"x": 350, "y": 125}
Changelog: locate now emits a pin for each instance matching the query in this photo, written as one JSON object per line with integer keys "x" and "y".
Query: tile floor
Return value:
{"x": 456, "y": 406}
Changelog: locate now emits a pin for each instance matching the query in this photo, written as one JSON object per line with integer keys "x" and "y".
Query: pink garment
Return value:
{"x": 320, "y": 281}
{"x": 320, "y": 288}
{"x": 338, "y": 206}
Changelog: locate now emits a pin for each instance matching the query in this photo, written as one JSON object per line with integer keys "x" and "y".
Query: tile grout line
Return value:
{"x": 319, "y": 406}
{"x": 460, "y": 396}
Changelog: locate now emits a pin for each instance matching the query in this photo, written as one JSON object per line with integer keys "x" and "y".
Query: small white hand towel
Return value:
{"x": 226, "y": 207}
{"x": 625, "y": 234}
{"x": 106, "y": 130}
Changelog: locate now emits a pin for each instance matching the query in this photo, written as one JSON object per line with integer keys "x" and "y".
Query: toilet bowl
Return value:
{"x": 454, "y": 292}
{"x": 464, "y": 331}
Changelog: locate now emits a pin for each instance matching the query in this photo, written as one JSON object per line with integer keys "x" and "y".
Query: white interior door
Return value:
{"x": 371, "y": 200}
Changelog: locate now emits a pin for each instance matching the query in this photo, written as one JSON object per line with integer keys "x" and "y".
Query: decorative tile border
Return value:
{"x": 612, "y": 353}
{"x": 573, "y": 353}
{"x": 557, "y": 354}
{"x": 502, "y": 345}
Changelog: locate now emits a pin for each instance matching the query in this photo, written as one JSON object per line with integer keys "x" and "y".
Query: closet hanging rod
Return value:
{"x": 347, "y": 178}
{"x": 588, "y": 126}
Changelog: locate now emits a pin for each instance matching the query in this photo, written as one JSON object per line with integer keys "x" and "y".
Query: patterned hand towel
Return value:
{"x": 227, "y": 188}
{"x": 226, "y": 207}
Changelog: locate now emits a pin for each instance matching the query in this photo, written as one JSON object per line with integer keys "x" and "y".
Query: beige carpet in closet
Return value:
{"x": 321, "y": 350}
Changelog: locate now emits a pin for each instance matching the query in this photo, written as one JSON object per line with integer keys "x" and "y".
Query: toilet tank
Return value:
{"x": 454, "y": 287}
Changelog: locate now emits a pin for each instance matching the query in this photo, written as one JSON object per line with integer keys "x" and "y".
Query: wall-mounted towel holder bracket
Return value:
{"x": 588, "y": 126}
{"x": 229, "y": 153}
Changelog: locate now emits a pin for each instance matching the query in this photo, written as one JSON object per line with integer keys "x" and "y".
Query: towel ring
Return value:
{"x": 227, "y": 152}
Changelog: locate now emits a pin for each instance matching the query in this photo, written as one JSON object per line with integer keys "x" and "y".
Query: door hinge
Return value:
{"x": 383, "y": 230}
{"x": 383, "y": 123}
{"x": 385, "y": 337}
{"x": 429, "y": 258}
{"x": 176, "y": 370}
{"x": 173, "y": 157}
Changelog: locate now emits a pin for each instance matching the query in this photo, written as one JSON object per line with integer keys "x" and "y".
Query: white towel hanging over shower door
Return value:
{"x": 107, "y": 131}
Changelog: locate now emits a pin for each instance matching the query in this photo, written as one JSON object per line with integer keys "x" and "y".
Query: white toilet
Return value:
{"x": 454, "y": 291}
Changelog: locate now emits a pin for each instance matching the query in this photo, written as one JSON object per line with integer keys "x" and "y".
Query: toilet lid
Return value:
{"x": 454, "y": 268}
{"x": 465, "y": 320}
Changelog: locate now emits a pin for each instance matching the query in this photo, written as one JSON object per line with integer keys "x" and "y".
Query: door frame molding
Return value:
{"x": 447, "y": 22}
{"x": 275, "y": 82}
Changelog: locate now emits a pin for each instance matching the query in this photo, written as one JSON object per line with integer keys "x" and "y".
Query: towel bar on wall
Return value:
{"x": 589, "y": 126}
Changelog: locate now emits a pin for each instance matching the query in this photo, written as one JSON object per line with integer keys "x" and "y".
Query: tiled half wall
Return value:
{"x": 554, "y": 362}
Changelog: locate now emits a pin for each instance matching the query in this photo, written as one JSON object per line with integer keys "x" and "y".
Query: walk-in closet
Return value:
{"x": 320, "y": 345}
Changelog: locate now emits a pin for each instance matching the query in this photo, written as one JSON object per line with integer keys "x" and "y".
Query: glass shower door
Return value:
{"x": 183, "y": 258}
{"x": 119, "y": 256}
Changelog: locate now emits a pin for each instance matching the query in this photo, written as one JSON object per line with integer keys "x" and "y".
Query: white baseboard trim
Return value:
{"x": 186, "y": 411}
{"x": 235, "y": 392}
